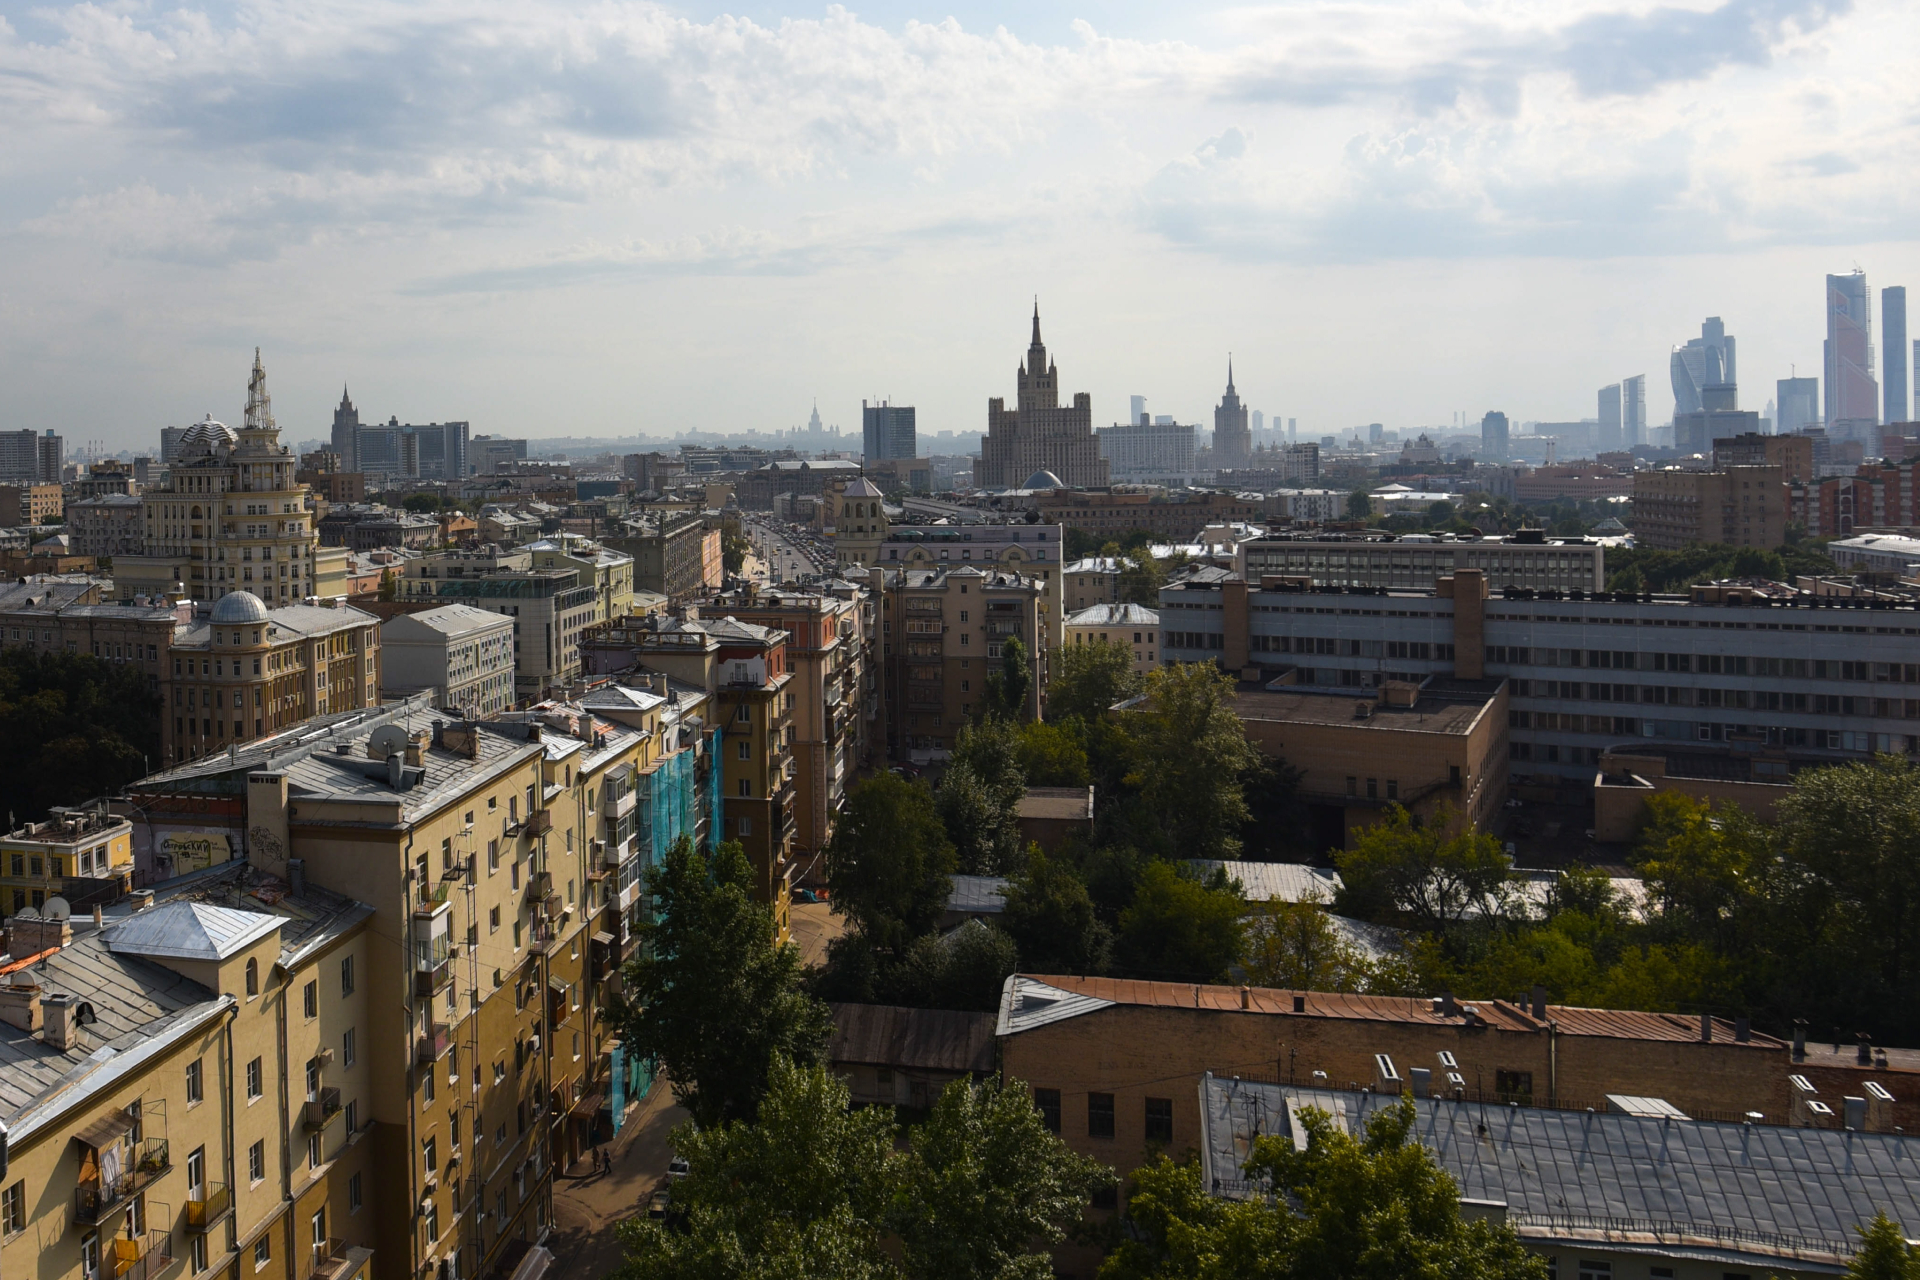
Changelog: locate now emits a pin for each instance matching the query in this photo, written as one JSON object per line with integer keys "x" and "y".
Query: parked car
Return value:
{"x": 678, "y": 1168}
{"x": 657, "y": 1207}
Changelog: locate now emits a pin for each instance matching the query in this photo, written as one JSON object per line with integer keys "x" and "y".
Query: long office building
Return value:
{"x": 433, "y": 451}
{"x": 1762, "y": 685}
{"x": 1417, "y": 561}
{"x": 887, "y": 430}
{"x": 31, "y": 456}
{"x": 1147, "y": 450}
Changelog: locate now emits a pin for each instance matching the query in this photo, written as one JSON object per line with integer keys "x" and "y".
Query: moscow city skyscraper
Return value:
{"x": 1853, "y": 394}
{"x": 1705, "y": 361}
{"x": 1893, "y": 334}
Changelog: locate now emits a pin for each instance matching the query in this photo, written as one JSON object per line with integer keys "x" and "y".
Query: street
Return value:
{"x": 785, "y": 553}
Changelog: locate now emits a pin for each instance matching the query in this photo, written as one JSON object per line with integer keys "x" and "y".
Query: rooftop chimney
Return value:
{"x": 1447, "y": 1007}
{"x": 1246, "y": 999}
{"x": 1743, "y": 1030}
{"x": 63, "y": 1022}
{"x": 20, "y": 1002}
{"x": 1539, "y": 1002}
{"x": 1799, "y": 1039}
{"x": 297, "y": 876}
{"x": 1864, "y": 1055}
{"x": 1299, "y": 1004}
{"x": 1706, "y": 1028}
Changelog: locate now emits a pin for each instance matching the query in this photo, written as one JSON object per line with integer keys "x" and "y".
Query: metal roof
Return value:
{"x": 924, "y": 1039}
{"x": 1276, "y": 881}
{"x": 190, "y": 931}
{"x": 1114, "y": 615}
{"x": 977, "y": 895}
{"x": 1026, "y": 1003}
{"x": 1648, "y": 1184}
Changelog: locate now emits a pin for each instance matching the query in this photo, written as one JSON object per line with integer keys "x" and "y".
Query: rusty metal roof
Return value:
{"x": 925, "y": 1039}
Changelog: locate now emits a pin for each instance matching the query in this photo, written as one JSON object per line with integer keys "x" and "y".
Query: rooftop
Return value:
{"x": 1656, "y": 1185}
{"x": 448, "y": 620}
{"x": 1440, "y": 707}
{"x": 1114, "y": 615}
{"x": 1057, "y": 804}
{"x": 923, "y": 1039}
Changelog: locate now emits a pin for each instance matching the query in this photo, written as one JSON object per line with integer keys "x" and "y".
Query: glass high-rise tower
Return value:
{"x": 1893, "y": 332}
{"x": 1853, "y": 394}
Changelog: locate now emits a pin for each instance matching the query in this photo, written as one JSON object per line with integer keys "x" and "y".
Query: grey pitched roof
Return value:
{"x": 190, "y": 931}
{"x": 978, "y": 894}
{"x": 1026, "y": 1003}
{"x": 1114, "y": 615}
{"x": 922, "y": 1039}
{"x": 1643, "y": 1183}
{"x": 448, "y": 620}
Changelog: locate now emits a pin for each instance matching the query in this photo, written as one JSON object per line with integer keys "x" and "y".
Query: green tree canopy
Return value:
{"x": 710, "y": 995}
{"x": 1192, "y": 751}
{"x": 1052, "y": 755}
{"x": 964, "y": 969}
{"x": 889, "y": 863}
{"x": 1084, "y": 680}
{"x": 1884, "y": 1254}
{"x": 1295, "y": 945}
{"x": 72, "y": 728}
{"x": 1697, "y": 863}
{"x": 1010, "y": 685}
{"x": 1857, "y": 828}
{"x": 1140, "y": 579}
{"x": 982, "y": 821}
{"x": 1429, "y": 874}
{"x": 1359, "y": 505}
{"x": 1050, "y": 916}
{"x": 1180, "y": 930}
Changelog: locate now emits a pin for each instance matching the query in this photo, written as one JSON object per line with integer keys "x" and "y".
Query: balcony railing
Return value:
{"x": 93, "y": 1201}
{"x": 539, "y": 822}
{"x": 323, "y": 1110}
{"x": 204, "y": 1213}
{"x": 543, "y": 939}
{"x": 327, "y": 1259}
{"x": 433, "y": 1043}
{"x": 431, "y": 981}
{"x": 539, "y": 885}
{"x": 142, "y": 1257}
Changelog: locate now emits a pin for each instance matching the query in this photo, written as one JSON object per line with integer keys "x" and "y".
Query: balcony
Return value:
{"x": 539, "y": 822}
{"x": 543, "y": 939}
{"x": 539, "y": 885}
{"x": 433, "y": 899}
{"x": 333, "y": 1259}
{"x": 142, "y": 1257}
{"x": 204, "y": 1214}
{"x": 323, "y": 1110}
{"x": 94, "y": 1201}
{"x": 433, "y": 1043}
{"x": 621, "y": 804}
{"x": 430, "y": 981}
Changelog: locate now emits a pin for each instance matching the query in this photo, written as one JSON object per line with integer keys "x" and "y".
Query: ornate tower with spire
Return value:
{"x": 346, "y": 432}
{"x": 1232, "y": 436}
{"x": 1040, "y": 434}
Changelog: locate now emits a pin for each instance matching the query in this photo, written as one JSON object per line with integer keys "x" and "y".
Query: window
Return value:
{"x": 347, "y": 1039}
{"x": 13, "y": 1208}
{"x": 746, "y": 787}
{"x": 493, "y": 919}
{"x": 1047, "y": 1102}
{"x": 197, "y": 1251}
{"x": 353, "y": 1194}
{"x": 253, "y": 1080}
{"x": 1099, "y": 1115}
{"x": 263, "y": 1252}
{"x": 1590, "y": 1269}
{"x": 253, "y": 978}
{"x": 353, "y": 1116}
{"x": 1159, "y": 1119}
{"x": 1516, "y": 1086}
{"x": 745, "y": 750}
{"x": 310, "y": 999}
{"x": 313, "y": 1151}
{"x": 430, "y": 1154}
{"x": 195, "y": 1089}
{"x": 346, "y": 975}
{"x": 257, "y": 1162}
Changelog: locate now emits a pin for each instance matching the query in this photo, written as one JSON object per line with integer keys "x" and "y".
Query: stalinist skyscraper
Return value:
{"x": 1232, "y": 438}
{"x": 1040, "y": 435}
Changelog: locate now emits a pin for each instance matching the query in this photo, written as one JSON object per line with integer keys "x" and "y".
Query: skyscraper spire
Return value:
{"x": 259, "y": 404}
{"x": 1229, "y": 371}
{"x": 1036, "y": 319}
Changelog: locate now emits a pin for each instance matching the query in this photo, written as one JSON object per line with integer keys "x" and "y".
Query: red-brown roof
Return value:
{"x": 1502, "y": 1015}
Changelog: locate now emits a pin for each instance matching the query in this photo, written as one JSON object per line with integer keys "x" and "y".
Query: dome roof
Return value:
{"x": 239, "y": 606}
{"x": 1043, "y": 480}
{"x": 207, "y": 433}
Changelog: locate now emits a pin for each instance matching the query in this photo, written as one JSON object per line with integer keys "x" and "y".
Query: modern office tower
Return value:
{"x": 1720, "y": 415}
{"x": 1259, "y": 421}
{"x": 1136, "y": 408}
{"x": 1606, "y": 435}
{"x": 346, "y": 429}
{"x": 1893, "y": 332}
{"x": 1493, "y": 436}
{"x": 52, "y": 451}
{"x": 1853, "y": 395}
{"x": 1633, "y": 410}
{"x": 432, "y": 451}
{"x": 1293, "y": 424}
{"x": 1039, "y": 433}
{"x": 1232, "y": 441}
{"x": 20, "y": 457}
{"x": 1799, "y": 405}
{"x": 887, "y": 431}
{"x": 1701, "y": 363}
{"x": 170, "y": 438}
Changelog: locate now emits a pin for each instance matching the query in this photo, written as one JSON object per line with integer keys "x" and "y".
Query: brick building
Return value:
{"x": 27, "y": 504}
{"x": 109, "y": 525}
{"x": 1170, "y": 517}
{"x": 1740, "y": 506}
{"x": 944, "y": 629}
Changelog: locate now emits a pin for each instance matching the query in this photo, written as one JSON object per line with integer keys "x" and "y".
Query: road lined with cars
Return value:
{"x": 788, "y": 552}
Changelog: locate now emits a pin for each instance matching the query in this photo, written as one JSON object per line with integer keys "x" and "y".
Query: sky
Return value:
{"x": 609, "y": 218}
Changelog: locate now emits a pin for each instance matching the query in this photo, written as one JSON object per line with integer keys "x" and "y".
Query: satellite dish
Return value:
{"x": 57, "y": 909}
{"x": 387, "y": 740}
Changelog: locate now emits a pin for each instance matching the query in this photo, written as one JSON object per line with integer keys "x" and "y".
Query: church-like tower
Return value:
{"x": 346, "y": 432}
{"x": 1039, "y": 434}
{"x": 1232, "y": 436}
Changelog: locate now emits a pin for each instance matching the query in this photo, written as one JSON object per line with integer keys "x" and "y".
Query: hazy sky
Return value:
{"x": 617, "y": 217}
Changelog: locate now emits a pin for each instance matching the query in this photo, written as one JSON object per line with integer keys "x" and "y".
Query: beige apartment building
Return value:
{"x": 609, "y": 572}
{"x": 460, "y": 656}
{"x": 943, "y": 631}
{"x": 1741, "y": 506}
{"x": 1131, "y": 625}
{"x": 1091, "y": 581}
{"x": 550, "y": 607}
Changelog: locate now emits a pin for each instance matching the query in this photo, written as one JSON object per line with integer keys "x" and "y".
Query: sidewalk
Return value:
{"x": 587, "y": 1210}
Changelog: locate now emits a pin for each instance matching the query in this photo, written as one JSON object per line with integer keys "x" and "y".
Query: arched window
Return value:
{"x": 253, "y": 977}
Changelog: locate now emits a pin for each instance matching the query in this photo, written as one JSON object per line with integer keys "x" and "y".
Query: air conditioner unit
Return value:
{"x": 324, "y": 1057}
{"x": 533, "y": 1044}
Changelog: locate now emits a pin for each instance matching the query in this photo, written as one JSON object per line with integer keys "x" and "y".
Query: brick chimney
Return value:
{"x": 20, "y": 1002}
{"x": 63, "y": 1030}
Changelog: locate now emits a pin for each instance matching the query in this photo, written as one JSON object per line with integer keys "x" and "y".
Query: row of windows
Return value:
{"x": 1828, "y": 704}
{"x": 1157, "y": 1115}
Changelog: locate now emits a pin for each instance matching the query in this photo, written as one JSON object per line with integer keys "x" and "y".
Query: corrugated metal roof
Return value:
{"x": 1501, "y": 1015}
{"x": 190, "y": 931}
{"x": 1651, "y": 1184}
{"x": 978, "y": 895}
{"x": 1276, "y": 881}
{"x": 922, "y": 1039}
{"x": 1026, "y": 1003}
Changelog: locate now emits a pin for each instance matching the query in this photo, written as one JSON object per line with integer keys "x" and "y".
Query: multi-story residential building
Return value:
{"x": 1170, "y": 517}
{"x": 461, "y": 657}
{"x": 28, "y": 457}
{"x": 67, "y": 617}
{"x": 549, "y": 607}
{"x": 27, "y": 503}
{"x": 1737, "y": 506}
{"x": 1525, "y": 559}
{"x": 1792, "y": 454}
{"x": 435, "y": 451}
{"x": 1132, "y": 625}
{"x": 943, "y": 632}
{"x": 859, "y": 524}
{"x": 241, "y": 671}
{"x": 1039, "y": 433}
{"x": 231, "y": 517}
{"x": 108, "y": 475}
{"x": 189, "y": 1086}
{"x": 82, "y": 856}
{"x": 758, "y": 489}
{"x": 1280, "y": 467}
{"x": 1148, "y": 451}
{"x": 1764, "y": 685}
{"x": 609, "y": 572}
{"x": 669, "y": 553}
{"x": 112, "y": 524}
{"x": 1030, "y": 550}
{"x": 833, "y": 689}
{"x": 887, "y": 431}
{"x": 1089, "y": 582}
{"x": 363, "y": 526}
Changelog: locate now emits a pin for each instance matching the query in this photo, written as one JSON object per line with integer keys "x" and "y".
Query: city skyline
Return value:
{"x": 556, "y": 229}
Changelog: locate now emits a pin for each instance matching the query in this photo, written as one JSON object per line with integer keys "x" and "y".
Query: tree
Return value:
{"x": 1051, "y": 755}
{"x": 711, "y": 996}
{"x": 424, "y": 504}
{"x": 1696, "y": 862}
{"x": 1050, "y": 916}
{"x": 1277, "y": 823}
{"x": 982, "y": 821}
{"x": 991, "y": 748}
{"x": 964, "y": 969}
{"x": 734, "y": 550}
{"x": 1085, "y": 680}
{"x": 985, "y": 1189}
{"x": 72, "y": 728}
{"x": 1429, "y": 874}
{"x": 1883, "y": 1254}
{"x": 1180, "y": 930}
{"x": 1139, "y": 580}
{"x": 1193, "y": 751}
{"x": 1359, "y": 505}
{"x": 888, "y": 863}
{"x": 389, "y": 585}
{"x": 1297, "y": 946}
{"x": 1008, "y": 687}
{"x": 1857, "y": 828}
{"x": 803, "y": 1192}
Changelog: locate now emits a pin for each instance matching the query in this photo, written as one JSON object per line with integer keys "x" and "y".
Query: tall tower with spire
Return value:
{"x": 346, "y": 432}
{"x": 1039, "y": 433}
{"x": 1232, "y": 436}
